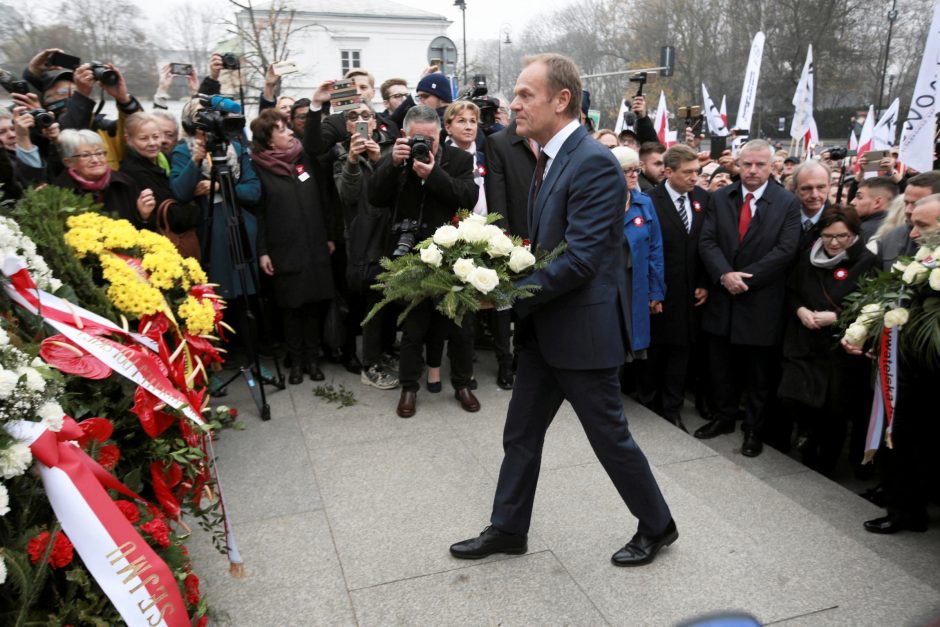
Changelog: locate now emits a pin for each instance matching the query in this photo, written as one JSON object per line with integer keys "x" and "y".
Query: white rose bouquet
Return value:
{"x": 907, "y": 297}
{"x": 465, "y": 262}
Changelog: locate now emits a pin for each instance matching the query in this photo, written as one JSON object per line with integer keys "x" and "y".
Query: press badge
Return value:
{"x": 302, "y": 175}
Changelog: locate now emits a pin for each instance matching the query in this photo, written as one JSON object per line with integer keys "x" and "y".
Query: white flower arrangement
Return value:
{"x": 14, "y": 242}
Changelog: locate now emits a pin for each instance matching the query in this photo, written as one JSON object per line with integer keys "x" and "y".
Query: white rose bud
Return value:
{"x": 899, "y": 266}
{"x": 914, "y": 273}
{"x": 446, "y": 236}
{"x": 483, "y": 279}
{"x": 463, "y": 267}
{"x": 473, "y": 232}
{"x": 493, "y": 232}
{"x": 520, "y": 259}
{"x": 896, "y": 317}
{"x": 500, "y": 246}
{"x": 936, "y": 253}
{"x": 856, "y": 334}
{"x": 870, "y": 313}
{"x": 475, "y": 218}
{"x": 922, "y": 253}
{"x": 432, "y": 256}
{"x": 935, "y": 279}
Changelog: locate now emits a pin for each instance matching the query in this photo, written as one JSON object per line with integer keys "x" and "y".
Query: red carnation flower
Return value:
{"x": 202, "y": 622}
{"x": 130, "y": 511}
{"x": 62, "y": 550}
{"x": 192, "y": 589}
{"x": 158, "y": 531}
{"x": 108, "y": 456}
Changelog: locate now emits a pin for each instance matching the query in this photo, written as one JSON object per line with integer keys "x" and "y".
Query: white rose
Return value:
{"x": 473, "y": 232}
{"x": 500, "y": 246}
{"x": 8, "y": 381}
{"x": 493, "y": 232}
{"x": 463, "y": 267}
{"x": 936, "y": 253}
{"x": 922, "y": 253}
{"x": 870, "y": 313}
{"x": 474, "y": 218}
{"x": 484, "y": 279}
{"x": 446, "y": 236}
{"x": 520, "y": 259}
{"x": 896, "y": 317}
{"x": 51, "y": 414}
{"x": 899, "y": 266}
{"x": 4, "y": 506}
{"x": 3, "y": 571}
{"x": 34, "y": 380}
{"x": 856, "y": 334}
{"x": 935, "y": 279}
{"x": 432, "y": 256}
{"x": 914, "y": 273}
{"x": 14, "y": 460}
{"x": 4, "y": 338}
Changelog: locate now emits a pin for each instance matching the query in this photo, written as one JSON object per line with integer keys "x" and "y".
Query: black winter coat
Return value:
{"x": 119, "y": 198}
{"x": 510, "y": 166}
{"x": 149, "y": 175}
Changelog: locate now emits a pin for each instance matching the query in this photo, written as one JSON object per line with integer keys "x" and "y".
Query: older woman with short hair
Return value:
{"x": 88, "y": 172}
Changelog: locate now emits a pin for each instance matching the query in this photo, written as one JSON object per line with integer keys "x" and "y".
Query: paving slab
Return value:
{"x": 534, "y": 589}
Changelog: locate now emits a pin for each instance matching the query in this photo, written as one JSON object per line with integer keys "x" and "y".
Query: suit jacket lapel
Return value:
{"x": 557, "y": 166}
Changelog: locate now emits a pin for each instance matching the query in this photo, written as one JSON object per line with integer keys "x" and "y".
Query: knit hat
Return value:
{"x": 437, "y": 85}
{"x": 719, "y": 170}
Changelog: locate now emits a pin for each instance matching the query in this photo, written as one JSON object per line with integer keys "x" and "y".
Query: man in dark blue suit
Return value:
{"x": 574, "y": 329}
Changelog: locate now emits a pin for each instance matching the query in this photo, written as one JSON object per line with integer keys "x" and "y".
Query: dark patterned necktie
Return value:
{"x": 540, "y": 172}
{"x": 682, "y": 212}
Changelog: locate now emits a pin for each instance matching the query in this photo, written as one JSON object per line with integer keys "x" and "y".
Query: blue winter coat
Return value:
{"x": 645, "y": 241}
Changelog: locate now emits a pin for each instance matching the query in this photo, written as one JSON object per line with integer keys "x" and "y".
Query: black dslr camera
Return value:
{"x": 421, "y": 148}
{"x": 43, "y": 118}
{"x": 230, "y": 61}
{"x": 477, "y": 94}
{"x": 103, "y": 74}
{"x": 407, "y": 233}
{"x": 13, "y": 84}
{"x": 838, "y": 153}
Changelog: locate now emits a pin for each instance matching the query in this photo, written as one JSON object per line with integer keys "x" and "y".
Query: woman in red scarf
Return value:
{"x": 88, "y": 172}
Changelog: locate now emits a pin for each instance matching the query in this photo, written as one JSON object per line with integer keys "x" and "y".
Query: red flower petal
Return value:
{"x": 59, "y": 352}
{"x": 108, "y": 456}
{"x": 98, "y": 429}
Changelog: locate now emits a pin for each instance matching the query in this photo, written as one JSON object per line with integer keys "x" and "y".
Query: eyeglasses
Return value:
{"x": 352, "y": 116}
{"x": 398, "y": 96}
{"x": 630, "y": 171}
{"x": 86, "y": 156}
{"x": 841, "y": 237}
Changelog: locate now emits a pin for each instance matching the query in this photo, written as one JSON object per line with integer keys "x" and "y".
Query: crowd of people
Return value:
{"x": 738, "y": 266}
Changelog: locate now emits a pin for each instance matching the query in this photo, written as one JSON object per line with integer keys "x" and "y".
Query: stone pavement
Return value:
{"x": 344, "y": 517}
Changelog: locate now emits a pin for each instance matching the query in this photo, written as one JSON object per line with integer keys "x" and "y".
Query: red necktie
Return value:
{"x": 745, "y": 219}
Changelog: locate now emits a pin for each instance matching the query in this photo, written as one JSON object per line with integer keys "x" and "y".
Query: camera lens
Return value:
{"x": 104, "y": 75}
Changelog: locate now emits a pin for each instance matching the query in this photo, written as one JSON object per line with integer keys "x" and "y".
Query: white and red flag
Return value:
{"x": 661, "y": 123}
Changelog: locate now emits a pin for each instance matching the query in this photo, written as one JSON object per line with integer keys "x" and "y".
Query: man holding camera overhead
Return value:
{"x": 424, "y": 183}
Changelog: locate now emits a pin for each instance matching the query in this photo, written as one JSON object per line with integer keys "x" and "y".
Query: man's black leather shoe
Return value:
{"x": 752, "y": 446}
{"x": 296, "y": 375}
{"x": 491, "y": 541}
{"x": 505, "y": 377}
{"x": 893, "y": 523}
{"x": 714, "y": 428}
{"x": 677, "y": 421}
{"x": 407, "y": 403}
{"x": 643, "y": 549}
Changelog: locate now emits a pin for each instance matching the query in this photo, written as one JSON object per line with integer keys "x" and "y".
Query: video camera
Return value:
{"x": 477, "y": 94}
{"x": 221, "y": 120}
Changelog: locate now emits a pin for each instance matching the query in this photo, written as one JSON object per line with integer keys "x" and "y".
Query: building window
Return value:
{"x": 349, "y": 59}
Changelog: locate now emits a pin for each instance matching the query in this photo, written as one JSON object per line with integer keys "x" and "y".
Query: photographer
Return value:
{"x": 367, "y": 234}
{"x": 425, "y": 184}
{"x": 334, "y": 126}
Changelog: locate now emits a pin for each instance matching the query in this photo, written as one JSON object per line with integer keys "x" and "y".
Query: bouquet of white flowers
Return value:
{"x": 465, "y": 262}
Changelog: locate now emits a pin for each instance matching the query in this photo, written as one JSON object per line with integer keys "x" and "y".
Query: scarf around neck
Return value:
{"x": 820, "y": 259}
{"x": 91, "y": 186}
{"x": 279, "y": 162}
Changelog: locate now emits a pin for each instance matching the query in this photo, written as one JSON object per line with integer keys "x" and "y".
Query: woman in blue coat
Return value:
{"x": 645, "y": 243}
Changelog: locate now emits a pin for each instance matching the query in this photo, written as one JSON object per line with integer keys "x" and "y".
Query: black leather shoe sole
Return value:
{"x": 891, "y": 524}
{"x": 479, "y": 556}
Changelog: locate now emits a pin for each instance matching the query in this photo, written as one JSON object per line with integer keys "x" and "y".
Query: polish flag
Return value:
{"x": 661, "y": 123}
{"x": 724, "y": 110}
{"x": 866, "y": 139}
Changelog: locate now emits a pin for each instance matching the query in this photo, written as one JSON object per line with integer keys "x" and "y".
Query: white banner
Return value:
{"x": 749, "y": 91}
{"x": 624, "y": 109}
{"x": 803, "y": 100}
{"x": 886, "y": 131}
{"x": 716, "y": 125}
{"x": 917, "y": 142}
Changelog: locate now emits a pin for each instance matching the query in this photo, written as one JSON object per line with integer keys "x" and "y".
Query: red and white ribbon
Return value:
{"x": 886, "y": 394}
{"x": 140, "y": 585}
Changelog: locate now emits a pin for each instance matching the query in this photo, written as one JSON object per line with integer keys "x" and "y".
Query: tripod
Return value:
{"x": 239, "y": 249}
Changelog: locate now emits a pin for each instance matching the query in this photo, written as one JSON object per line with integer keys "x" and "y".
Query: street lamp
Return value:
{"x": 892, "y": 16}
{"x": 462, "y": 5}
{"x": 505, "y": 29}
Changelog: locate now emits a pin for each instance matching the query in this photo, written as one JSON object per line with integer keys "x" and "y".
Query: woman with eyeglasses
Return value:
{"x": 88, "y": 172}
{"x": 823, "y": 386}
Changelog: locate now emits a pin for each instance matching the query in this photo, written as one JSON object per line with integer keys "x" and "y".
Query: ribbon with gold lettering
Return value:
{"x": 140, "y": 585}
{"x": 886, "y": 394}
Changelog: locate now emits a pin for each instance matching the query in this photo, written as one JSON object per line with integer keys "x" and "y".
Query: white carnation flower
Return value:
{"x": 856, "y": 334}
{"x": 474, "y": 218}
{"x": 8, "y": 381}
{"x": 432, "y": 256}
{"x": 896, "y": 317}
{"x": 14, "y": 460}
{"x": 34, "y": 380}
{"x": 446, "y": 236}
{"x": 935, "y": 279}
{"x": 484, "y": 279}
{"x": 4, "y": 506}
{"x": 463, "y": 267}
{"x": 471, "y": 231}
{"x": 914, "y": 273}
{"x": 520, "y": 259}
{"x": 500, "y": 246}
{"x": 51, "y": 415}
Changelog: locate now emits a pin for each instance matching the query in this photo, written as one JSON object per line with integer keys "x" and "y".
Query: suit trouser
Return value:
{"x": 758, "y": 367}
{"x": 664, "y": 373}
{"x": 595, "y": 397}
{"x": 421, "y": 321}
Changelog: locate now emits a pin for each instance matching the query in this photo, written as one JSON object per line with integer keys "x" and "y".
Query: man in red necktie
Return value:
{"x": 750, "y": 236}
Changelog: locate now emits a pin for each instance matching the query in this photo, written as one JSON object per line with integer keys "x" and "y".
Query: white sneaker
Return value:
{"x": 375, "y": 377}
